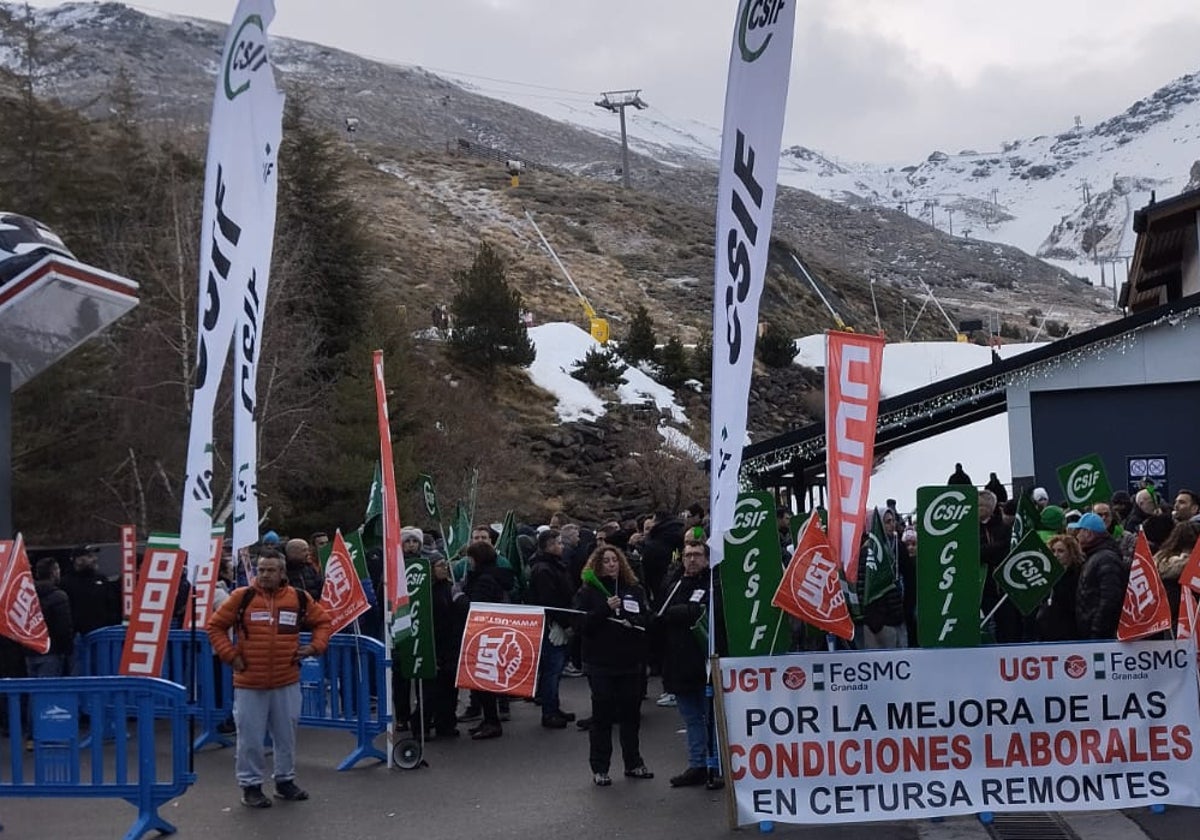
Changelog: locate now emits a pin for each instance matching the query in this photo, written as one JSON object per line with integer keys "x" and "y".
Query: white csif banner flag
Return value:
{"x": 755, "y": 100}
{"x": 235, "y": 255}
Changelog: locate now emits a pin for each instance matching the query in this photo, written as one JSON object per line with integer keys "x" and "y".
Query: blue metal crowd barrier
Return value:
{"x": 336, "y": 689}
{"x": 337, "y": 695}
{"x": 212, "y": 701}
{"x": 47, "y": 711}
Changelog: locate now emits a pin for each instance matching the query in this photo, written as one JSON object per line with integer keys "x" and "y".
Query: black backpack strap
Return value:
{"x": 240, "y": 623}
{"x": 301, "y": 596}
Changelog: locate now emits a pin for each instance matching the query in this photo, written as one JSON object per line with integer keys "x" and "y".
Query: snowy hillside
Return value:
{"x": 981, "y": 447}
{"x": 1055, "y": 196}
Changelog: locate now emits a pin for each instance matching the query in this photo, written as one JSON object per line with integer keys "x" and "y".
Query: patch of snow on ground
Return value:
{"x": 559, "y": 346}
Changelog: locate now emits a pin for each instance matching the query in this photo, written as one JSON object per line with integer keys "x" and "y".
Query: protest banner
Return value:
{"x": 860, "y": 736}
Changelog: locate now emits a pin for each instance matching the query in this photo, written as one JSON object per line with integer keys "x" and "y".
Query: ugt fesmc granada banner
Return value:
{"x": 912, "y": 734}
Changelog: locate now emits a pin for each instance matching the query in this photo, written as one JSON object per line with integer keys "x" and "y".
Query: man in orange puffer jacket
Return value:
{"x": 267, "y": 618}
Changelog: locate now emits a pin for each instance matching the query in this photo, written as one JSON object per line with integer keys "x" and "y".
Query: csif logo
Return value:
{"x": 1027, "y": 569}
{"x": 757, "y": 15}
{"x": 945, "y": 512}
{"x": 1081, "y": 482}
{"x": 247, "y": 56}
{"x": 748, "y": 517}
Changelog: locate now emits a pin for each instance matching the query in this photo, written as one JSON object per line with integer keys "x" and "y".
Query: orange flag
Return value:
{"x": 501, "y": 648}
{"x": 811, "y": 589}
{"x": 343, "y": 596}
{"x": 1145, "y": 611}
{"x": 1189, "y": 578}
{"x": 21, "y": 616}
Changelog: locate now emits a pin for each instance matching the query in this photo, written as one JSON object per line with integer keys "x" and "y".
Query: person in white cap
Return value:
{"x": 1040, "y": 497}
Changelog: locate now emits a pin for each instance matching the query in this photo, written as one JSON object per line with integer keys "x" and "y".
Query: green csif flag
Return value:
{"x": 429, "y": 498}
{"x": 880, "y": 574}
{"x": 1029, "y": 573}
{"x": 1026, "y": 521}
{"x": 750, "y": 574}
{"x": 506, "y": 546}
{"x": 459, "y": 533}
{"x": 1085, "y": 481}
{"x": 416, "y": 655}
{"x": 375, "y": 497}
{"x": 949, "y": 578}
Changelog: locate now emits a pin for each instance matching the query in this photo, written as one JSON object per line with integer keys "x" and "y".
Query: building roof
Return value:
{"x": 1166, "y": 235}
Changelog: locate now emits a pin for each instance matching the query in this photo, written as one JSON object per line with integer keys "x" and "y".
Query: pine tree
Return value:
{"x": 601, "y": 366}
{"x": 702, "y": 355}
{"x": 640, "y": 342}
{"x": 775, "y": 348}
{"x": 487, "y": 330}
{"x": 323, "y": 234}
{"x": 673, "y": 363}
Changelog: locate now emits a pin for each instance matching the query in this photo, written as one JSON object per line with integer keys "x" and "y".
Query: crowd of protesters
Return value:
{"x": 623, "y": 602}
{"x": 1094, "y": 544}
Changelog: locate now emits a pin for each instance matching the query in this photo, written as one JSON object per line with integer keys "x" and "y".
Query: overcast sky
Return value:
{"x": 874, "y": 80}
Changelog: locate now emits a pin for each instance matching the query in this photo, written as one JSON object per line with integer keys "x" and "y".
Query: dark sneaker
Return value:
{"x": 584, "y": 724}
{"x": 486, "y": 731}
{"x": 555, "y": 722}
{"x": 252, "y": 797}
{"x": 690, "y": 777}
{"x": 601, "y": 779}
{"x": 290, "y": 791}
{"x": 639, "y": 772}
{"x": 470, "y": 713}
{"x": 570, "y": 716}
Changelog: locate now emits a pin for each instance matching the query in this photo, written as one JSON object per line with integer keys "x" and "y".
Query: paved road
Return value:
{"x": 532, "y": 783}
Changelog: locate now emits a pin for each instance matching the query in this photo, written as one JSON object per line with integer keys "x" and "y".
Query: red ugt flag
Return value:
{"x": 811, "y": 589}
{"x": 21, "y": 616}
{"x": 343, "y": 596}
{"x": 1145, "y": 611}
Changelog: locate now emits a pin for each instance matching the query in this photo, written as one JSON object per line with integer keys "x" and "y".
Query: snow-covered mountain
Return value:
{"x": 1066, "y": 196}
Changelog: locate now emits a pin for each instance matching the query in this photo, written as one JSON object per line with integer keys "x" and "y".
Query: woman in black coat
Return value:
{"x": 486, "y": 583}
{"x": 1055, "y": 619}
{"x": 614, "y": 653}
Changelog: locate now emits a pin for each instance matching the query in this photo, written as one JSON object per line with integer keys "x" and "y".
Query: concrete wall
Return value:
{"x": 1138, "y": 397}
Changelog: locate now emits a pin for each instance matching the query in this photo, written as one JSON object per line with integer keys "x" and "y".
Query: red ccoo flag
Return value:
{"x": 811, "y": 588}
{"x": 1145, "y": 611}
{"x": 21, "y": 616}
